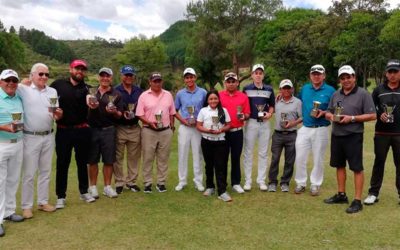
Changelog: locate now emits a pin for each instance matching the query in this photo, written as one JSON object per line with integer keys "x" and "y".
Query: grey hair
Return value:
{"x": 37, "y": 65}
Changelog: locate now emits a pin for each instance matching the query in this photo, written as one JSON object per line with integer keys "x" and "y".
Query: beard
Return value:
{"x": 77, "y": 77}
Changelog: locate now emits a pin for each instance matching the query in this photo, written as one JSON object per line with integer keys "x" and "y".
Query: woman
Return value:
{"x": 212, "y": 122}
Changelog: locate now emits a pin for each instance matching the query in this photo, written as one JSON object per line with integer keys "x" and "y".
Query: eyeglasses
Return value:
{"x": 286, "y": 87}
{"x": 43, "y": 74}
{"x": 13, "y": 80}
{"x": 104, "y": 75}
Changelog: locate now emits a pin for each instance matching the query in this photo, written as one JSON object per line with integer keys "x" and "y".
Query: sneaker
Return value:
{"x": 93, "y": 192}
{"x": 284, "y": 187}
{"x": 119, "y": 190}
{"x": 314, "y": 190}
{"x": 60, "y": 204}
{"x": 337, "y": 199}
{"x": 109, "y": 192}
{"x": 199, "y": 187}
{"x": 147, "y": 189}
{"x": 86, "y": 197}
{"x": 247, "y": 187}
{"x": 371, "y": 199}
{"x": 225, "y": 197}
{"x": 299, "y": 189}
{"x": 179, "y": 187}
{"x": 263, "y": 187}
{"x": 355, "y": 207}
{"x": 209, "y": 192}
{"x": 46, "y": 208}
{"x": 272, "y": 187}
{"x": 238, "y": 189}
{"x": 134, "y": 188}
{"x": 161, "y": 188}
{"x": 27, "y": 213}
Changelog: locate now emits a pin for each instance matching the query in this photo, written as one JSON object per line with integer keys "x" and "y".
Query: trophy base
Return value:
{"x": 240, "y": 116}
{"x": 130, "y": 115}
{"x": 160, "y": 126}
{"x": 92, "y": 100}
{"x": 337, "y": 118}
{"x": 284, "y": 124}
{"x": 314, "y": 113}
{"x": 52, "y": 109}
{"x": 18, "y": 126}
{"x": 390, "y": 119}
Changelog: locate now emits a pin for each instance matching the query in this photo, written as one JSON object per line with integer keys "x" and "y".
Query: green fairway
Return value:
{"x": 187, "y": 220}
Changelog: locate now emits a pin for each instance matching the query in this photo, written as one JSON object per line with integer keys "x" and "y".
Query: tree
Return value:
{"x": 12, "y": 51}
{"x": 345, "y": 7}
{"x": 390, "y": 35}
{"x": 12, "y": 30}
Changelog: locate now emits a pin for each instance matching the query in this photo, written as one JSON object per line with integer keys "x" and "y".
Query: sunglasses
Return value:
{"x": 128, "y": 75}
{"x": 104, "y": 75}
{"x": 13, "y": 80}
{"x": 43, "y": 74}
{"x": 392, "y": 71}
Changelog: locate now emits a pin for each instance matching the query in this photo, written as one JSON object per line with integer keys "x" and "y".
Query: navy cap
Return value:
{"x": 128, "y": 69}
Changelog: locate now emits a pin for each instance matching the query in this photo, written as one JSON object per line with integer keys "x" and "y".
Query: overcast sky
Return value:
{"x": 119, "y": 19}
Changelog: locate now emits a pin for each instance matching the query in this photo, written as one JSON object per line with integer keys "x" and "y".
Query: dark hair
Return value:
{"x": 221, "y": 113}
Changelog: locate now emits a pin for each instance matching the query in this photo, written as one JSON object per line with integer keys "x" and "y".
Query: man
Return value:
{"x": 237, "y": 105}
{"x": 156, "y": 110}
{"x": 128, "y": 133}
{"x": 39, "y": 114}
{"x": 288, "y": 115}
{"x": 102, "y": 117}
{"x": 387, "y": 129}
{"x": 73, "y": 132}
{"x": 10, "y": 147}
{"x": 262, "y": 102}
{"x": 314, "y": 134}
{"x": 190, "y": 99}
{"x": 355, "y": 106}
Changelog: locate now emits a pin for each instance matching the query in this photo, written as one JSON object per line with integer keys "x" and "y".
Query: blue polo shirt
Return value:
{"x": 185, "y": 98}
{"x": 127, "y": 98}
{"x": 308, "y": 94}
{"x": 8, "y": 105}
{"x": 259, "y": 96}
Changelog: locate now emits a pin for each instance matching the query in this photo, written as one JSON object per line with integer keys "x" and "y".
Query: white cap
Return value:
{"x": 106, "y": 70}
{"x": 285, "y": 82}
{"x": 346, "y": 69}
{"x": 8, "y": 73}
{"x": 189, "y": 71}
{"x": 230, "y": 75}
{"x": 317, "y": 68}
{"x": 257, "y": 66}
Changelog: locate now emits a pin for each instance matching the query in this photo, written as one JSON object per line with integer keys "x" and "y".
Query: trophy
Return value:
{"x": 130, "y": 114}
{"x": 158, "y": 119}
{"x": 92, "y": 96}
{"x": 389, "y": 112}
{"x": 110, "y": 104}
{"x": 191, "y": 120}
{"x": 260, "y": 115}
{"x": 239, "y": 112}
{"x": 53, "y": 104}
{"x": 284, "y": 120}
{"x": 315, "y": 109}
{"x": 215, "y": 123}
{"x": 338, "y": 111}
{"x": 17, "y": 124}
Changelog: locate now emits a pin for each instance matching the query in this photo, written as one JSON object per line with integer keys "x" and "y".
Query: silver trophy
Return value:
{"x": 239, "y": 112}
{"x": 215, "y": 123}
{"x": 337, "y": 116}
{"x": 53, "y": 104}
{"x": 389, "y": 112}
{"x": 260, "y": 114}
{"x": 158, "y": 117}
{"x": 18, "y": 125}
{"x": 315, "y": 109}
{"x": 191, "y": 120}
{"x": 92, "y": 96}
{"x": 129, "y": 113}
{"x": 110, "y": 104}
{"x": 284, "y": 120}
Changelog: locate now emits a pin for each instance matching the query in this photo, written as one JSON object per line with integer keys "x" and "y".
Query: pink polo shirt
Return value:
{"x": 232, "y": 102}
{"x": 150, "y": 104}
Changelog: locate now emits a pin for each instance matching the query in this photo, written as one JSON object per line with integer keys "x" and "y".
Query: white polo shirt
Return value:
{"x": 37, "y": 117}
{"x": 205, "y": 116}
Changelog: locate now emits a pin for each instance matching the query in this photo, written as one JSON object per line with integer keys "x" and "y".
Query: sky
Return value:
{"x": 118, "y": 19}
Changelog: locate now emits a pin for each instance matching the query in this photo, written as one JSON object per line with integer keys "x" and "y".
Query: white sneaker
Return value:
{"x": 238, "y": 189}
{"x": 263, "y": 187}
{"x": 60, "y": 203}
{"x": 110, "y": 192}
{"x": 87, "y": 197}
{"x": 199, "y": 187}
{"x": 225, "y": 197}
{"x": 209, "y": 192}
{"x": 371, "y": 199}
{"x": 179, "y": 187}
{"x": 93, "y": 192}
{"x": 247, "y": 187}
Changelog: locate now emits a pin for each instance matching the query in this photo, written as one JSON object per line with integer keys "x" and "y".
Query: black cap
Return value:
{"x": 393, "y": 64}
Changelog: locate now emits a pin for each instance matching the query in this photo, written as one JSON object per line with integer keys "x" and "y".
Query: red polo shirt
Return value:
{"x": 231, "y": 102}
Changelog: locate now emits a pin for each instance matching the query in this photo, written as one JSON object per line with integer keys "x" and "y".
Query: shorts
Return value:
{"x": 347, "y": 148}
{"x": 102, "y": 144}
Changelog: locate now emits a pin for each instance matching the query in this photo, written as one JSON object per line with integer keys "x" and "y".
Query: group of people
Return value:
{"x": 102, "y": 123}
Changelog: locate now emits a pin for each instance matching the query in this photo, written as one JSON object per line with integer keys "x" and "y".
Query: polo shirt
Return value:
{"x": 205, "y": 116}
{"x": 384, "y": 95}
{"x": 308, "y": 94}
{"x": 99, "y": 117}
{"x": 37, "y": 117}
{"x": 185, "y": 98}
{"x": 8, "y": 105}
{"x": 127, "y": 98}
{"x": 357, "y": 102}
{"x": 293, "y": 110}
{"x": 150, "y": 104}
{"x": 259, "y": 96}
{"x": 231, "y": 102}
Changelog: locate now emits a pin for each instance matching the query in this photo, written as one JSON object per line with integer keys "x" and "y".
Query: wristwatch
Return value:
{"x": 353, "y": 119}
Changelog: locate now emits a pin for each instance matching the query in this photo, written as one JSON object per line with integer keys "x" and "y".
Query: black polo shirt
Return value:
{"x": 384, "y": 95}
{"x": 99, "y": 117}
{"x": 127, "y": 98}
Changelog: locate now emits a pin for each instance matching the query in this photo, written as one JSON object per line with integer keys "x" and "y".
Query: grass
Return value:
{"x": 186, "y": 220}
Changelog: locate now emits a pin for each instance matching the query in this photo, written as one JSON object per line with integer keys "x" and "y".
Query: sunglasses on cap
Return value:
{"x": 317, "y": 69}
{"x": 43, "y": 74}
{"x": 13, "y": 80}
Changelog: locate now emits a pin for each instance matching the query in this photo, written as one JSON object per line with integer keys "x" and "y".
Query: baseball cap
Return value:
{"x": 106, "y": 70}
{"x": 78, "y": 62}
{"x": 346, "y": 69}
{"x": 317, "y": 68}
{"x": 285, "y": 82}
{"x": 257, "y": 66}
{"x": 8, "y": 73}
{"x": 189, "y": 71}
{"x": 155, "y": 76}
{"x": 128, "y": 69}
{"x": 393, "y": 64}
{"x": 230, "y": 75}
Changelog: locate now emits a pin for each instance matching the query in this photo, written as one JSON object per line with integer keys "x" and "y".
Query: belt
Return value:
{"x": 158, "y": 129}
{"x": 316, "y": 126}
{"x": 38, "y": 132}
{"x": 103, "y": 128}
{"x": 285, "y": 132}
{"x": 235, "y": 129}
{"x": 82, "y": 125}
{"x": 214, "y": 138}
{"x": 128, "y": 126}
{"x": 15, "y": 140}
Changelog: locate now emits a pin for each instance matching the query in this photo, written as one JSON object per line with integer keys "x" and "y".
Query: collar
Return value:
{"x": 322, "y": 86}
{"x": 353, "y": 91}
{"x": 194, "y": 91}
{"x": 3, "y": 94}
{"x": 33, "y": 86}
{"x": 120, "y": 87}
{"x": 149, "y": 91}
{"x": 255, "y": 86}
{"x": 290, "y": 100}
{"x": 226, "y": 92}
{"x": 210, "y": 109}
{"x": 386, "y": 85}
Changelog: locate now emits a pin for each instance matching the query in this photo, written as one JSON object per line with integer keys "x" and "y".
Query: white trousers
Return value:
{"x": 10, "y": 170}
{"x": 315, "y": 140}
{"x": 189, "y": 137}
{"x": 256, "y": 130}
{"x": 38, "y": 153}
